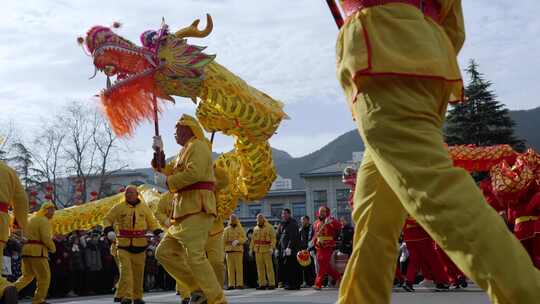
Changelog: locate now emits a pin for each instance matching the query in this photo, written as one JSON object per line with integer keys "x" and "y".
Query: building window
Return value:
{"x": 343, "y": 209}
{"x": 253, "y": 210}
{"x": 238, "y": 210}
{"x": 320, "y": 198}
{"x": 275, "y": 210}
{"x": 298, "y": 210}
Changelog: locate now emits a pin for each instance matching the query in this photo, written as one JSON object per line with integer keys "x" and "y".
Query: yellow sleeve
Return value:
{"x": 453, "y": 23}
{"x": 272, "y": 236}
{"x": 242, "y": 239}
{"x": 222, "y": 178}
{"x": 163, "y": 209}
{"x": 110, "y": 218}
{"x": 20, "y": 201}
{"x": 151, "y": 222}
{"x": 45, "y": 233}
{"x": 169, "y": 167}
{"x": 197, "y": 156}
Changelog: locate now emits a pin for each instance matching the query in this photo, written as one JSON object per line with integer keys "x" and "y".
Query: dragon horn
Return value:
{"x": 193, "y": 31}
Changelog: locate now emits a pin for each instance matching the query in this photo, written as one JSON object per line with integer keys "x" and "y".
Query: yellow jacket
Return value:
{"x": 164, "y": 210}
{"x": 234, "y": 233}
{"x": 263, "y": 239}
{"x": 397, "y": 39}
{"x": 192, "y": 165}
{"x": 13, "y": 194}
{"x": 222, "y": 180}
{"x": 38, "y": 232}
{"x": 131, "y": 223}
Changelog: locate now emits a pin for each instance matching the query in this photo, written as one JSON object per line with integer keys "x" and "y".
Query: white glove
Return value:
{"x": 111, "y": 236}
{"x": 276, "y": 253}
{"x": 160, "y": 178}
{"x": 157, "y": 143}
{"x": 167, "y": 223}
{"x": 161, "y": 235}
{"x": 235, "y": 242}
{"x": 288, "y": 252}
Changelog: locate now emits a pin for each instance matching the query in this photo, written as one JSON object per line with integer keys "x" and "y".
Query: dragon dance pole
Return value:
{"x": 334, "y": 9}
{"x": 156, "y": 130}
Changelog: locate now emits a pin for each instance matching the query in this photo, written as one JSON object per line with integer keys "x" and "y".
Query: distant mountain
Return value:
{"x": 338, "y": 150}
{"x": 528, "y": 126}
{"x": 341, "y": 148}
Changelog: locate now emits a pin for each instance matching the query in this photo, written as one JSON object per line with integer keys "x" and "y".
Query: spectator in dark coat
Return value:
{"x": 77, "y": 276}
{"x": 306, "y": 234}
{"x": 92, "y": 260}
{"x": 289, "y": 245}
{"x": 60, "y": 268}
{"x": 346, "y": 236}
{"x": 250, "y": 268}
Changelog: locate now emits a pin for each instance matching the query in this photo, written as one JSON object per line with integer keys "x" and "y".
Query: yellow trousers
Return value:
{"x": 235, "y": 269}
{"x": 182, "y": 254}
{"x": 35, "y": 268}
{"x": 3, "y": 282}
{"x": 216, "y": 256}
{"x": 406, "y": 169}
{"x": 131, "y": 281}
{"x": 265, "y": 269}
{"x": 119, "y": 293}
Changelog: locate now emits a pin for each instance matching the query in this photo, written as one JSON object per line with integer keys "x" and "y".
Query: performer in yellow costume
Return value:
{"x": 191, "y": 178}
{"x": 397, "y": 63}
{"x": 262, "y": 244}
{"x": 132, "y": 218}
{"x": 35, "y": 253}
{"x": 11, "y": 195}
{"x": 234, "y": 238}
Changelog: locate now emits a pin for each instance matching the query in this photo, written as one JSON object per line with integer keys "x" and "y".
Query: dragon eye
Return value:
{"x": 109, "y": 70}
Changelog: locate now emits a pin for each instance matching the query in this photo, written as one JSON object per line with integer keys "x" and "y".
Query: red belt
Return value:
{"x": 132, "y": 233}
{"x": 4, "y": 207}
{"x": 36, "y": 242}
{"x": 430, "y": 8}
{"x": 199, "y": 186}
{"x": 260, "y": 242}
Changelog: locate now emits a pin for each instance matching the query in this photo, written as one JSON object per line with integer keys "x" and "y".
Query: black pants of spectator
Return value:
{"x": 78, "y": 282}
{"x": 60, "y": 285}
{"x": 308, "y": 274}
{"x": 92, "y": 282}
{"x": 291, "y": 274}
{"x": 250, "y": 271}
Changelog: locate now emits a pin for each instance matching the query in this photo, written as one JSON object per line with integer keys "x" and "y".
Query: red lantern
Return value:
{"x": 93, "y": 193}
{"x": 121, "y": 189}
{"x": 48, "y": 197}
{"x": 49, "y": 188}
{"x": 33, "y": 202}
{"x": 34, "y": 193}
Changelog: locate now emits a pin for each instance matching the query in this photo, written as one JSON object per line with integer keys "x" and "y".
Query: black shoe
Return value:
{"x": 271, "y": 287}
{"x": 261, "y": 288}
{"x": 139, "y": 301}
{"x": 408, "y": 287}
{"x": 125, "y": 301}
{"x": 442, "y": 287}
{"x": 197, "y": 298}
{"x": 230, "y": 288}
{"x": 10, "y": 295}
{"x": 239, "y": 287}
{"x": 292, "y": 288}
{"x": 117, "y": 300}
{"x": 462, "y": 282}
{"x": 185, "y": 301}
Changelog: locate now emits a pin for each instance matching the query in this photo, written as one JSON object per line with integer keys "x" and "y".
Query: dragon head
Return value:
{"x": 164, "y": 65}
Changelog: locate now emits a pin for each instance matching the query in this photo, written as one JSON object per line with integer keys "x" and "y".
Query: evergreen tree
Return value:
{"x": 23, "y": 164}
{"x": 482, "y": 120}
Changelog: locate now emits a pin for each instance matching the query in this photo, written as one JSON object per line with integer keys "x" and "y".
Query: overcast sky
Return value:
{"x": 284, "y": 48}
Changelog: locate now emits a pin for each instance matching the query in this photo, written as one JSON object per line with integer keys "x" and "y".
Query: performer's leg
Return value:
{"x": 137, "y": 266}
{"x": 402, "y": 127}
{"x": 43, "y": 279}
{"x": 172, "y": 256}
{"x": 216, "y": 256}
{"x": 28, "y": 274}
{"x": 268, "y": 265}
{"x": 231, "y": 277}
{"x": 192, "y": 233}
{"x": 379, "y": 218}
{"x": 239, "y": 268}
{"x": 261, "y": 273}
{"x": 126, "y": 273}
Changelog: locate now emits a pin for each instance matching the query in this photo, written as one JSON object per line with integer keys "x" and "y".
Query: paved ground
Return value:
{"x": 304, "y": 296}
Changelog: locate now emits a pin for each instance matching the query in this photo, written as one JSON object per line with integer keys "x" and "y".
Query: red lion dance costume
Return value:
{"x": 326, "y": 229}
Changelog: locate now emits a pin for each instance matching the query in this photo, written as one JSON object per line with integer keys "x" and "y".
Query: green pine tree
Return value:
{"x": 482, "y": 120}
{"x": 23, "y": 164}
